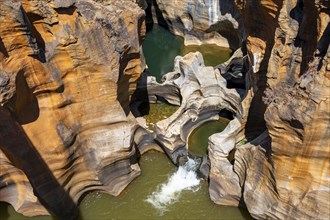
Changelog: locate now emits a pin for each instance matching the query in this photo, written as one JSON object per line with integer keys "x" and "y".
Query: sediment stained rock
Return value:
{"x": 68, "y": 69}
{"x": 200, "y": 21}
{"x": 284, "y": 173}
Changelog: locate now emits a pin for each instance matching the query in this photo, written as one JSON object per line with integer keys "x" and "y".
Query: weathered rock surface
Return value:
{"x": 200, "y": 21}
{"x": 202, "y": 95}
{"x": 67, "y": 70}
{"x": 284, "y": 172}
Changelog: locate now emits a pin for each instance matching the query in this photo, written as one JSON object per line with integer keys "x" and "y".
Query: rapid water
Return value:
{"x": 193, "y": 202}
{"x": 185, "y": 178}
{"x": 214, "y": 9}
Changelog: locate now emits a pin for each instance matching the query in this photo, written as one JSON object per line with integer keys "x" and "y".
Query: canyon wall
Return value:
{"x": 281, "y": 169}
{"x": 284, "y": 172}
{"x": 67, "y": 70}
{"x": 199, "y": 21}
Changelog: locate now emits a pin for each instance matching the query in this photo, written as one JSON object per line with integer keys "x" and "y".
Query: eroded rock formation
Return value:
{"x": 201, "y": 93}
{"x": 283, "y": 173}
{"x": 68, "y": 69}
{"x": 200, "y": 21}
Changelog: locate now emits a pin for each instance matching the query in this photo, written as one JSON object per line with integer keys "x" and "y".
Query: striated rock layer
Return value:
{"x": 67, "y": 69}
{"x": 284, "y": 172}
{"x": 199, "y": 21}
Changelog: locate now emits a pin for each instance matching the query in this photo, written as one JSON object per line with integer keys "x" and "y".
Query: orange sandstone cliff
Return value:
{"x": 67, "y": 69}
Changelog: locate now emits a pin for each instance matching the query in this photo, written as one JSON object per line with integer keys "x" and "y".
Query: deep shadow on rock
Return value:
{"x": 45, "y": 186}
{"x": 65, "y": 84}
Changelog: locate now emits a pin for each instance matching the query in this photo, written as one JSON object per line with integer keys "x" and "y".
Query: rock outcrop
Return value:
{"x": 282, "y": 172}
{"x": 67, "y": 70}
{"x": 201, "y": 93}
{"x": 199, "y": 21}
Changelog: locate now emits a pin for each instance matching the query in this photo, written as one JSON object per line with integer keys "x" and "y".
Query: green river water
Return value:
{"x": 132, "y": 204}
{"x": 161, "y": 47}
{"x": 158, "y": 112}
{"x": 198, "y": 139}
{"x": 162, "y": 191}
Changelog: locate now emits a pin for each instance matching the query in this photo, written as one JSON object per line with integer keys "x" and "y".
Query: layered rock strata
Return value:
{"x": 68, "y": 69}
{"x": 284, "y": 172}
{"x": 67, "y": 72}
{"x": 200, "y": 21}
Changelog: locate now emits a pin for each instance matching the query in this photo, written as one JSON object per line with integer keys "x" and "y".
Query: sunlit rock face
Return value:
{"x": 200, "y": 92}
{"x": 200, "y": 21}
{"x": 284, "y": 174}
{"x": 68, "y": 69}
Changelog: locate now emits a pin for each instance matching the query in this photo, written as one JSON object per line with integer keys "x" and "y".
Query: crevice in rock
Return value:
{"x": 123, "y": 88}
{"x": 66, "y": 10}
{"x": 231, "y": 156}
{"x": 256, "y": 123}
{"x": 154, "y": 15}
{"x": 226, "y": 114}
{"x": 3, "y": 49}
{"x": 323, "y": 46}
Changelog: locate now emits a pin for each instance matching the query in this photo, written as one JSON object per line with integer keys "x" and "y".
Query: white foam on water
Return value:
{"x": 185, "y": 178}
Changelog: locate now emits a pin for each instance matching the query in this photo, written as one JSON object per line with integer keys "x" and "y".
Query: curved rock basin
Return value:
{"x": 198, "y": 139}
{"x": 158, "y": 112}
{"x": 161, "y": 47}
{"x": 132, "y": 204}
